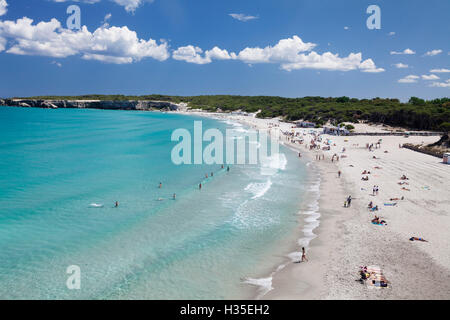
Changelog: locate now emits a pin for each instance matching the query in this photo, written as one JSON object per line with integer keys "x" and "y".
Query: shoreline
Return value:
{"x": 304, "y": 236}
{"x": 264, "y": 284}
{"x": 345, "y": 239}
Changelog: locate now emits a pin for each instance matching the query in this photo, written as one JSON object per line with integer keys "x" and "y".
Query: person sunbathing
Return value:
{"x": 404, "y": 178}
{"x": 397, "y": 199}
{"x": 417, "y": 239}
{"x": 378, "y": 221}
{"x": 366, "y": 178}
{"x": 370, "y": 206}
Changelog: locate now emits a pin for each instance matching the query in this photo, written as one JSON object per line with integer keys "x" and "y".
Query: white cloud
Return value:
{"x": 401, "y": 66}
{"x": 409, "y": 79}
{"x": 430, "y": 77}
{"x": 392, "y": 33}
{"x": 120, "y": 45}
{"x": 2, "y": 44}
{"x": 291, "y": 54}
{"x": 242, "y": 17}
{"x": 129, "y": 5}
{"x": 346, "y": 28}
{"x": 83, "y": 1}
{"x": 58, "y": 64}
{"x": 440, "y": 70}
{"x": 195, "y": 55}
{"x": 406, "y": 51}
{"x": 105, "y": 23}
{"x": 286, "y": 50}
{"x": 445, "y": 84}
{"x": 3, "y": 9}
{"x": 433, "y": 52}
{"x": 113, "y": 45}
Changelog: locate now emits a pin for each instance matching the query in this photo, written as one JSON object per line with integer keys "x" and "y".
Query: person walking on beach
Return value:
{"x": 349, "y": 201}
{"x": 339, "y": 173}
{"x": 304, "y": 259}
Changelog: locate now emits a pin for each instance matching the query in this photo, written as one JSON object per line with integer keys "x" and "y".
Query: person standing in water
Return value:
{"x": 200, "y": 186}
{"x": 160, "y": 185}
{"x": 228, "y": 169}
{"x": 117, "y": 204}
{"x": 174, "y": 196}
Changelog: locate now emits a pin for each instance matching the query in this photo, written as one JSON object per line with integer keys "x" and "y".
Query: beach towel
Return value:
{"x": 391, "y": 204}
{"x": 376, "y": 279}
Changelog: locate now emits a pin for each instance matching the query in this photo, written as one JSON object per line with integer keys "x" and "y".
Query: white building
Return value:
{"x": 304, "y": 124}
{"x": 335, "y": 131}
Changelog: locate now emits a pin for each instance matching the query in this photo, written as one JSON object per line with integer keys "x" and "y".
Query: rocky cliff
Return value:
{"x": 94, "y": 104}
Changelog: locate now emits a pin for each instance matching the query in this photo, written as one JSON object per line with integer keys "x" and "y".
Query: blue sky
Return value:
{"x": 290, "y": 48}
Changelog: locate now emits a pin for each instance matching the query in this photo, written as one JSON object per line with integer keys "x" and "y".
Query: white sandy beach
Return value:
{"x": 346, "y": 238}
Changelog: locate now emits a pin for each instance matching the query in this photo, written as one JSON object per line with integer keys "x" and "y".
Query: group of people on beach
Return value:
{"x": 373, "y": 275}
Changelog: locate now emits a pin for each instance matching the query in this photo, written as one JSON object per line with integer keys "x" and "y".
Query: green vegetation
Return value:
{"x": 349, "y": 127}
{"x": 416, "y": 114}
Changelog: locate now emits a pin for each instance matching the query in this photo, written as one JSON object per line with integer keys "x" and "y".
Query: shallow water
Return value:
{"x": 61, "y": 172}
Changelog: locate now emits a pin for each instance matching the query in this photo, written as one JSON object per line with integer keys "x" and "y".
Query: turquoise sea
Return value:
{"x": 61, "y": 172}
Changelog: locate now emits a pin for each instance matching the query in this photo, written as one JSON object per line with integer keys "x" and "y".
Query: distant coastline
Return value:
{"x": 142, "y": 105}
{"x": 416, "y": 114}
